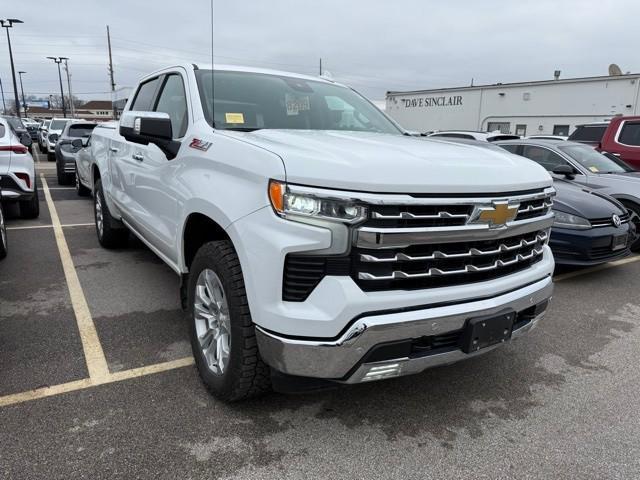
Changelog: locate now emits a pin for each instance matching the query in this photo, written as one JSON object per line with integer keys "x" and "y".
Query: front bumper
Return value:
{"x": 588, "y": 247}
{"x": 67, "y": 160}
{"x": 349, "y": 359}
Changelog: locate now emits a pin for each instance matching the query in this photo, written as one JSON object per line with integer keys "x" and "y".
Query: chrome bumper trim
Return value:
{"x": 372, "y": 238}
{"x": 333, "y": 359}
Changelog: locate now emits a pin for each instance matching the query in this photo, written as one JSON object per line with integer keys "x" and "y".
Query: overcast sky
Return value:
{"x": 373, "y": 45}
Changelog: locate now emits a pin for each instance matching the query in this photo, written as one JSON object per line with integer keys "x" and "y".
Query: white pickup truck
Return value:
{"x": 317, "y": 242}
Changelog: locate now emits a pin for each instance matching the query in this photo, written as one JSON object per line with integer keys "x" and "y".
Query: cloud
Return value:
{"x": 374, "y": 45}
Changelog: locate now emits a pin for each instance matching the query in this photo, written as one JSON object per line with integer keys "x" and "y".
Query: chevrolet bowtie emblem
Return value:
{"x": 497, "y": 215}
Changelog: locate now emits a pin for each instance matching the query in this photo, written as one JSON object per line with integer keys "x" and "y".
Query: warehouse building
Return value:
{"x": 527, "y": 108}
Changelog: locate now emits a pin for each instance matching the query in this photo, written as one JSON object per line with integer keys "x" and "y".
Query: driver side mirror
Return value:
{"x": 150, "y": 127}
{"x": 79, "y": 143}
{"x": 565, "y": 170}
{"x": 25, "y": 139}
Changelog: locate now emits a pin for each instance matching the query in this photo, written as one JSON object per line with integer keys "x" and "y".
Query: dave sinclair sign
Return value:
{"x": 453, "y": 101}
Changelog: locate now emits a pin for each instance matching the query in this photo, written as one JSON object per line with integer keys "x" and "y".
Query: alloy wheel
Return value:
{"x": 212, "y": 321}
{"x": 99, "y": 216}
{"x": 3, "y": 230}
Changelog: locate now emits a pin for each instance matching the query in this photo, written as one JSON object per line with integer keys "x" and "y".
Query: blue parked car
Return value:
{"x": 590, "y": 228}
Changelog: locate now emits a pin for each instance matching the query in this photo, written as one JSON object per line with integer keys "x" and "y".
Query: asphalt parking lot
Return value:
{"x": 97, "y": 381}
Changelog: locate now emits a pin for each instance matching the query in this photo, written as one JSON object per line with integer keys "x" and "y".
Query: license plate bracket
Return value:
{"x": 483, "y": 332}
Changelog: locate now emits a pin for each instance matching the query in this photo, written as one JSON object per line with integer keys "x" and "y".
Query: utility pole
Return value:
{"x": 58, "y": 61}
{"x": 71, "y": 106}
{"x": 24, "y": 104}
{"x": 113, "y": 82}
{"x": 8, "y": 23}
{"x": 320, "y": 66}
{"x": 4, "y": 106}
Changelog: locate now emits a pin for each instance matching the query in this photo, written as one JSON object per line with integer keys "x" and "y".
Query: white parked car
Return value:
{"x": 17, "y": 173}
{"x": 42, "y": 135}
{"x": 314, "y": 239}
{"x": 471, "y": 135}
{"x": 560, "y": 138}
{"x": 56, "y": 127}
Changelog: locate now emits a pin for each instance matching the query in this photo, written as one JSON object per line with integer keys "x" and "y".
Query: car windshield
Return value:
{"x": 251, "y": 101}
{"x": 15, "y": 123}
{"x": 592, "y": 160}
{"x": 82, "y": 130}
{"x": 57, "y": 124}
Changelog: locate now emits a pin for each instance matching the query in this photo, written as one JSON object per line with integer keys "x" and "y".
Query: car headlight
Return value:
{"x": 299, "y": 203}
{"x": 566, "y": 220}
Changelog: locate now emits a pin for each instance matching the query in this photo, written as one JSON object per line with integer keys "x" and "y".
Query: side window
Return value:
{"x": 561, "y": 130}
{"x": 510, "y": 148}
{"x": 173, "y": 101}
{"x": 543, "y": 156}
{"x": 144, "y": 96}
{"x": 630, "y": 134}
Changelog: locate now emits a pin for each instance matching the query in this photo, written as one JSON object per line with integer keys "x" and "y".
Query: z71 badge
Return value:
{"x": 199, "y": 144}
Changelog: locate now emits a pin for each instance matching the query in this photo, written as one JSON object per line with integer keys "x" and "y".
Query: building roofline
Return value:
{"x": 514, "y": 84}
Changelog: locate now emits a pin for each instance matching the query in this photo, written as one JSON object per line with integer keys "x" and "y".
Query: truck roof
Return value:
{"x": 243, "y": 68}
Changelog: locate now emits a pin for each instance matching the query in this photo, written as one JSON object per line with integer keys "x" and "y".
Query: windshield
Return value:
{"x": 16, "y": 123}
{"x": 57, "y": 124}
{"x": 83, "y": 130}
{"x": 251, "y": 101}
{"x": 592, "y": 160}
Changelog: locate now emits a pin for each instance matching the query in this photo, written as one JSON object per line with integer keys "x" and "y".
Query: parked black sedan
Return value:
{"x": 589, "y": 228}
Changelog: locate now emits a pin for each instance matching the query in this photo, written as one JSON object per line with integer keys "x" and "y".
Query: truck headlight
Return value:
{"x": 290, "y": 201}
{"x": 566, "y": 220}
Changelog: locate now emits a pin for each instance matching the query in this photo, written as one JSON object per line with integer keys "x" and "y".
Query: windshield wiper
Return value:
{"x": 242, "y": 129}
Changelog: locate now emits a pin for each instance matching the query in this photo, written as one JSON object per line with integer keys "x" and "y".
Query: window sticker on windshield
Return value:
{"x": 594, "y": 169}
{"x": 234, "y": 117}
{"x": 296, "y": 104}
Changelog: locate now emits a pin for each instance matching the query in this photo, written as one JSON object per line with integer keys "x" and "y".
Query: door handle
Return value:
{"x": 137, "y": 156}
{"x": 113, "y": 149}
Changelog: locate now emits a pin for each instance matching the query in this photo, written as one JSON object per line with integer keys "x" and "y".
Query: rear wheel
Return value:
{"x": 111, "y": 233}
{"x": 31, "y": 208}
{"x": 3, "y": 235}
{"x": 222, "y": 333}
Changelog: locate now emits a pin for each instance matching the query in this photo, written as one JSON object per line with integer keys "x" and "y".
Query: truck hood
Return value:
{"x": 375, "y": 162}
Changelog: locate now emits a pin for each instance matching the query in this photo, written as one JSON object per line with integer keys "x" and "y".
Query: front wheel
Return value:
{"x": 111, "y": 233}
{"x": 222, "y": 333}
{"x": 634, "y": 218}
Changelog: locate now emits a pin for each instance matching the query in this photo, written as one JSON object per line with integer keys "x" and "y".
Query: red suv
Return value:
{"x": 619, "y": 137}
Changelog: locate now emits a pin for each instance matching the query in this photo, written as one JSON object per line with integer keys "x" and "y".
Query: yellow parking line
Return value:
{"x": 606, "y": 266}
{"x": 85, "y": 383}
{"x": 94, "y": 356}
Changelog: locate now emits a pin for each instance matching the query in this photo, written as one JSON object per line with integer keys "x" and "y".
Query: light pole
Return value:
{"x": 24, "y": 104}
{"x": 59, "y": 60}
{"x": 66, "y": 69}
{"x": 4, "y": 106}
{"x": 8, "y": 23}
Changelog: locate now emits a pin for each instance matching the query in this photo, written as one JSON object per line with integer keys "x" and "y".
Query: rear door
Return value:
{"x": 627, "y": 143}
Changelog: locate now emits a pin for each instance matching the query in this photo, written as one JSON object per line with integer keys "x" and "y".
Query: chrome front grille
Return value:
{"x": 430, "y": 266}
{"x": 608, "y": 221}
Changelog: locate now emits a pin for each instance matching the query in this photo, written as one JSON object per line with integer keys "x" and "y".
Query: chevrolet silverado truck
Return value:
{"x": 318, "y": 244}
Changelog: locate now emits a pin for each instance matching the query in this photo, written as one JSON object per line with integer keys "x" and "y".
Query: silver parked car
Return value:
{"x": 66, "y": 149}
{"x": 582, "y": 164}
{"x": 17, "y": 172}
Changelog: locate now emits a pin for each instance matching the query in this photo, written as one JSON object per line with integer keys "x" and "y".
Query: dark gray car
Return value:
{"x": 66, "y": 152}
{"x": 582, "y": 164}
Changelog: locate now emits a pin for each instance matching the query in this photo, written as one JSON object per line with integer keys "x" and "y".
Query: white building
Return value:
{"x": 527, "y": 108}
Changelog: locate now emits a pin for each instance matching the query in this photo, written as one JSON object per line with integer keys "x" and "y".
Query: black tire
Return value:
{"x": 64, "y": 178}
{"x": 81, "y": 190}
{"x": 634, "y": 212}
{"x": 31, "y": 208}
{"x": 111, "y": 232}
{"x": 51, "y": 157}
{"x": 245, "y": 375}
{"x": 3, "y": 236}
